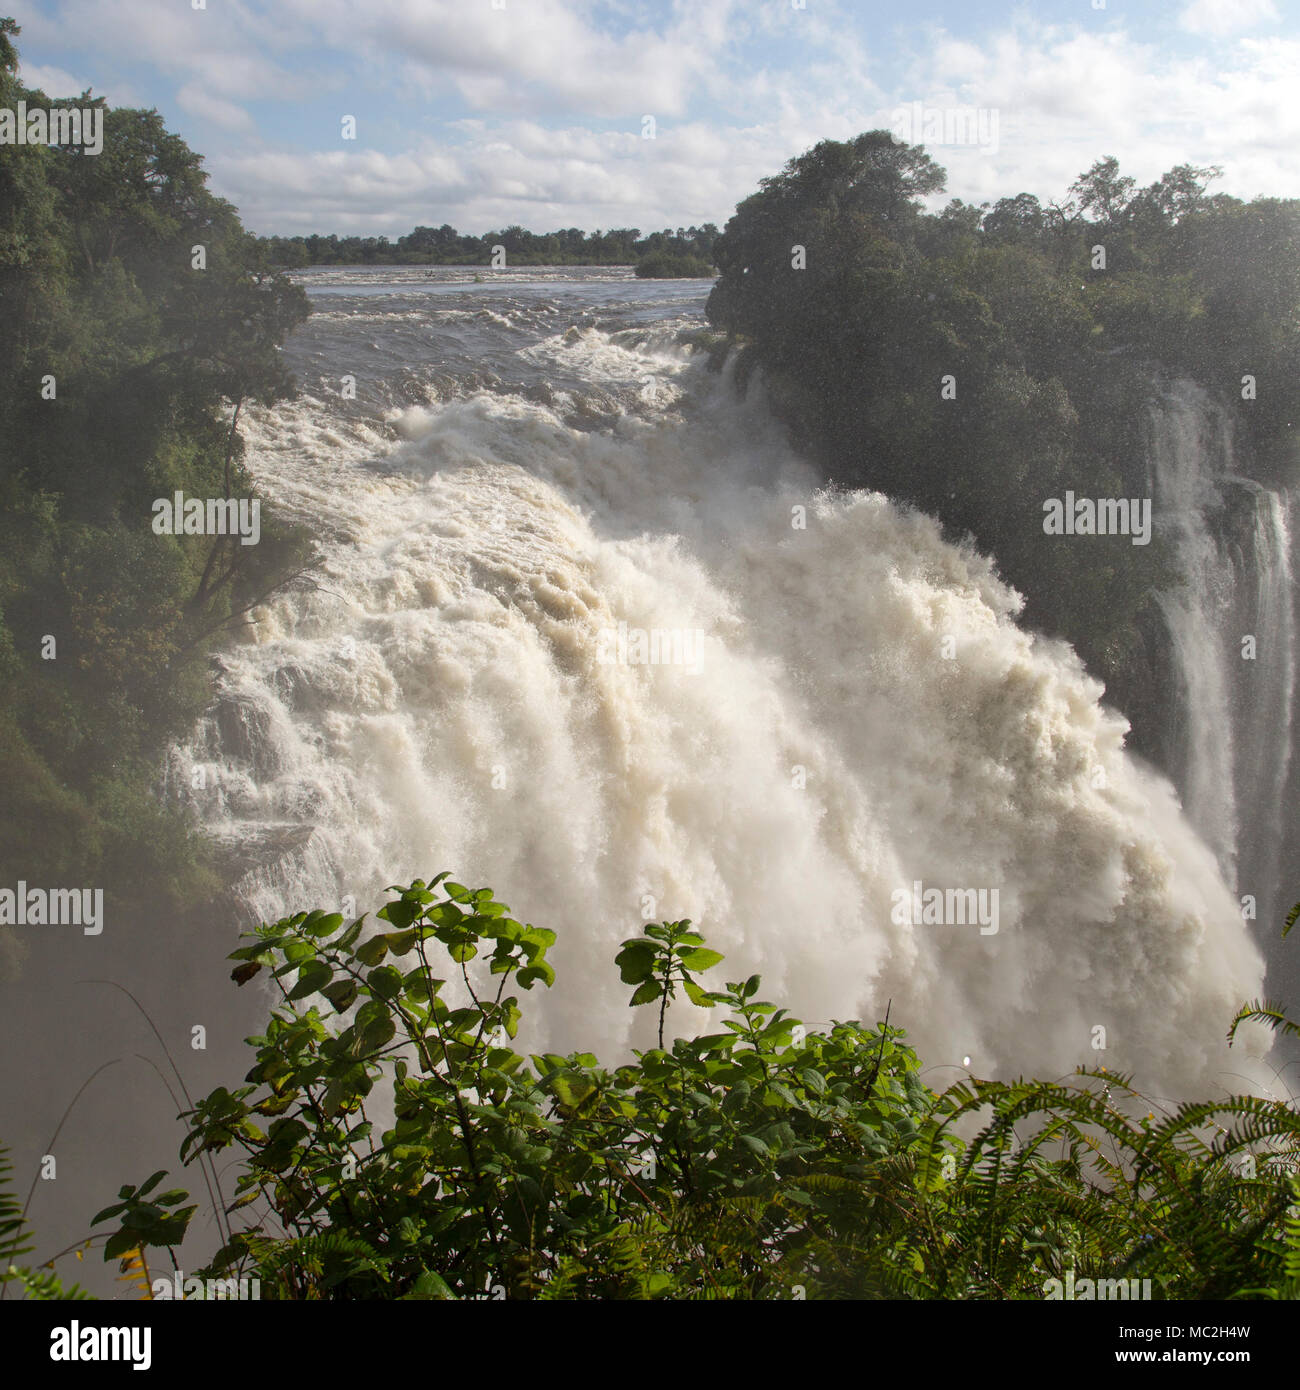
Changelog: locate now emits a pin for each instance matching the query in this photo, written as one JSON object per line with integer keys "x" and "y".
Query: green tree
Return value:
{"x": 140, "y": 318}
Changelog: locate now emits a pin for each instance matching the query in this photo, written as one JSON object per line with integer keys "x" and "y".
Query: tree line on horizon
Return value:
{"x": 446, "y": 246}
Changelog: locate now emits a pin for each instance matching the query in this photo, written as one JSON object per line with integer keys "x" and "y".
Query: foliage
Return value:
{"x": 702, "y": 1170}
{"x": 858, "y": 305}
{"x": 660, "y": 265}
{"x": 1075, "y": 1180}
{"x": 123, "y": 370}
{"x": 759, "y": 1161}
{"x": 446, "y": 246}
{"x": 1270, "y": 1014}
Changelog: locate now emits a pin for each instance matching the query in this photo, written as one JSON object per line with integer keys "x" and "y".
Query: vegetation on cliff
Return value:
{"x": 139, "y": 319}
{"x": 978, "y": 361}
{"x": 762, "y": 1160}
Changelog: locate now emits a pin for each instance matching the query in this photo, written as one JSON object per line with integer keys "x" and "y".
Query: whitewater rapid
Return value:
{"x": 864, "y": 714}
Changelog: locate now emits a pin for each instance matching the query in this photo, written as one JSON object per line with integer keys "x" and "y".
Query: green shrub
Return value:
{"x": 760, "y": 1161}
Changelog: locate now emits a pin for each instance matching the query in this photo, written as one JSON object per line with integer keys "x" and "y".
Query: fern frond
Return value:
{"x": 44, "y": 1286}
{"x": 1264, "y": 1011}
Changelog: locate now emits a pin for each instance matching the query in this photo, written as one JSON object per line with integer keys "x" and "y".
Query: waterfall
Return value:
{"x": 1232, "y": 633}
{"x": 860, "y": 718}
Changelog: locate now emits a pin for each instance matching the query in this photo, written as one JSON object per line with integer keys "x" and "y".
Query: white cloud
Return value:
{"x": 222, "y": 51}
{"x": 533, "y": 56}
{"x": 205, "y": 106}
{"x": 1218, "y": 18}
{"x": 1066, "y": 98}
{"x": 54, "y": 82}
{"x": 519, "y": 172}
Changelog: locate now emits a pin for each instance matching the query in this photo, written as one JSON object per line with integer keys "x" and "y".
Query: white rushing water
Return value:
{"x": 863, "y": 713}
{"x": 1232, "y": 629}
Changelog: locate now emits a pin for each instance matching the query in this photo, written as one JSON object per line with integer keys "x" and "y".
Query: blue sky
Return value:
{"x": 483, "y": 113}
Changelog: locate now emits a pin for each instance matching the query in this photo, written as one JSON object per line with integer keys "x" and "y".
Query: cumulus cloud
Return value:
{"x": 1219, "y": 18}
{"x": 533, "y": 55}
{"x": 207, "y": 106}
{"x": 515, "y": 172}
{"x": 224, "y": 50}
{"x": 54, "y": 82}
{"x": 1068, "y": 97}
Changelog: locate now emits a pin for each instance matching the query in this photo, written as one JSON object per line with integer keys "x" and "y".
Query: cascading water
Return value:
{"x": 1232, "y": 633}
{"x": 844, "y": 704}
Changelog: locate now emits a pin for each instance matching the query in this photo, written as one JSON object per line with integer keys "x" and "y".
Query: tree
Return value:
{"x": 1018, "y": 219}
{"x": 873, "y": 174}
{"x": 1102, "y": 191}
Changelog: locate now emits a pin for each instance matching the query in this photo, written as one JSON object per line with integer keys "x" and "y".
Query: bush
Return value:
{"x": 761, "y": 1161}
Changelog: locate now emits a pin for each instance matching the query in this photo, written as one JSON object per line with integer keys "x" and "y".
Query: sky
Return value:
{"x": 665, "y": 113}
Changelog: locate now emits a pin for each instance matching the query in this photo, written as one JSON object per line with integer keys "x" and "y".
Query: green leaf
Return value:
{"x": 120, "y": 1242}
{"x": 342, "y": 994}
{"x": 815, "y": 1081}
{"x": 318, "y": 924}
{"x": 697, "y": 995}
{"x": 378, "y": 1032}
{"x": 373, "y": 951}
{"x": 401, "y": 913}
{"x": 385, "y": 982}
{"x": 151, "y": 1182}
{"x": 636, "y": 961}
{"x": 572, "y": 1090}
{"x": 400, "y": 942}
{"x": 698, "y": 957}
{"x": 647, "y": 993}
{"x": 430, "y": 1286}
{"x": 349, "y": 937}
{"x": 312, "y": 979}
